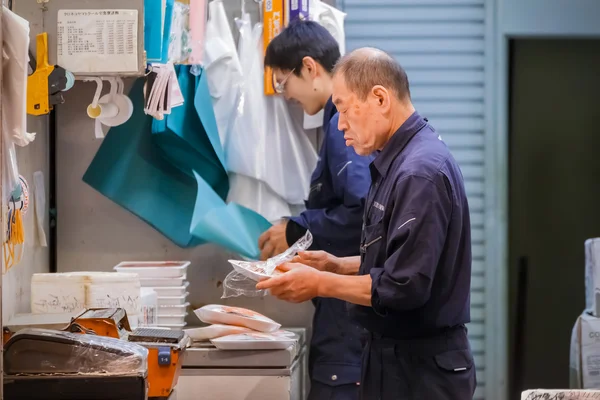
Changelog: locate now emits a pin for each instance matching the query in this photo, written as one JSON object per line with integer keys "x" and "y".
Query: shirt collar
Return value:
{"x": 398, "y": 142}
{"x": 328, "y": 112}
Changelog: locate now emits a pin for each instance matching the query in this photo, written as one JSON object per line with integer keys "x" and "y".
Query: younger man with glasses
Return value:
{"x": 302, "y": 57}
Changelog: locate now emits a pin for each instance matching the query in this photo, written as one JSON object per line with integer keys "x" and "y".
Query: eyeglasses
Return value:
{"x": 280, "y": 87}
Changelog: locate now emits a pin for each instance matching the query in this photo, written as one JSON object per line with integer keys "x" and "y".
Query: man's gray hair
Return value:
{"x": 367, "y": 67}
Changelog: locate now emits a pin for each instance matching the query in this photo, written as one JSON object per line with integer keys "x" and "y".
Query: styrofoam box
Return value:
{"x": 171, "y": 291}
{"x": 172, "y": 300}
{"x": 155, "y": 269}
{"x": 172, "y": 310}
{"x": 171, "y": 319}
{"x": 163, "y": 282}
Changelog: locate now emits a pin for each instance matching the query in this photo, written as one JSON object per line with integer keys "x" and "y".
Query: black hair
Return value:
{"x": 302, "y": 39}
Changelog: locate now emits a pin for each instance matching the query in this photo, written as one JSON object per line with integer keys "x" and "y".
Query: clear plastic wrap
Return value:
{"x": 180, "y": 40}
{"x": 42, "y": 351}
{"x": 242, "y": 280}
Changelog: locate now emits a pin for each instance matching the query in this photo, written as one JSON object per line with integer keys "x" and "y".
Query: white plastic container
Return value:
{"x": 253, "y": 341}
{"x": 57, "y": 293}
{"x": 158, "y": 269}
{"x": 114, "y": 290}
{"x": 149, "y": 312}
{"x": 163, "y": 282}
{"x": 171, "y": 319}
{"x": 172, "y": 310}
{"x": 172, "y": 300}
{"x": 171, "y": 291}
{"x": 218, "y": 314}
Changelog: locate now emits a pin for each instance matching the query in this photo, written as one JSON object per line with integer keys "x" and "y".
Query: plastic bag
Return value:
{"x": 266, "y": 125}
{"x": 242, "y": 280}
{"x": 180, "y": 41}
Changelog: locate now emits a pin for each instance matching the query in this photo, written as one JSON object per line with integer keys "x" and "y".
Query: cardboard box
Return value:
{"x": 539, "y": 394}
{"x": 592, "y": 276}
{"x": 296, "y": 9}
{"x": 584, "y": 368}
{"x": 274, "y": 20}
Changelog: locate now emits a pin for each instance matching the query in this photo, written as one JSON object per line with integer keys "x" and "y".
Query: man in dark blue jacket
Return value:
{"x": 302, "y": 58}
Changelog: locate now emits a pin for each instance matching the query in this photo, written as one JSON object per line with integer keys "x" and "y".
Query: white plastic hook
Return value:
{"x": 98, "y": 89}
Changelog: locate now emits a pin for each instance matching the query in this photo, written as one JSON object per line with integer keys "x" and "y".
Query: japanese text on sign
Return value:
{"x": 98, "y": 41}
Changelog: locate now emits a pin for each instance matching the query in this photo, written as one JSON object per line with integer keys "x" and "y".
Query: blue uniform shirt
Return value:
{"x": 334, "y": 212}
{"x": 416, "y": 242}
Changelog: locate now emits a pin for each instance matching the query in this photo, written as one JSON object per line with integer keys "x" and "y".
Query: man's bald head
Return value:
{"x": 367, "y": 67}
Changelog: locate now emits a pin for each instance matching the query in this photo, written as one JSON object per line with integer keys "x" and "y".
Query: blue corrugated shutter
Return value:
{"x": 440, "y": 43}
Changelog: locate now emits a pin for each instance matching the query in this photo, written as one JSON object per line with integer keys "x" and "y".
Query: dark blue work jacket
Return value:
{"x": 334, "y": 214}
{"x": 416, "y": 242}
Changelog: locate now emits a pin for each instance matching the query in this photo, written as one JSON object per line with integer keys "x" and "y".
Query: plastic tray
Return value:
{"x": 155, "y": 269}
{"x": 218, "y": 314}
{"x": 252, "y": 270}
{"x": 171, "y": 319}
{"x": 171, "y": 291}
{"x": 163, "y": 282}
{"x": 172, "y": 310}
{"x": 172, "y": 300}
{"x": 206, "y": 333}
{"x": 254, "y": 341}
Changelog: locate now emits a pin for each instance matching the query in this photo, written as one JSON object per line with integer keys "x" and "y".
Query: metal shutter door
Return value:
{"x": 440, "y": 43}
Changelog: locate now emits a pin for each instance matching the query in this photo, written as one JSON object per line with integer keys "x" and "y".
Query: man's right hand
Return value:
{"x": 320, "y": 260}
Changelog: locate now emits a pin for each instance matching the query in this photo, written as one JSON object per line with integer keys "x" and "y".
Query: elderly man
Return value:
{"x": 410, "y": 286}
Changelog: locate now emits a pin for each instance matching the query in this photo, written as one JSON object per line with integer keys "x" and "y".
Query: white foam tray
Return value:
{"x": 163, "y": 282}
{"x": 155, "y": 269}
{"x": 171, "y": 291}
{"x": 172, "y": 300}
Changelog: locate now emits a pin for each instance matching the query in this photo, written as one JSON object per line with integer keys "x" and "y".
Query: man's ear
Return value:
{"x": 381, "y": 96}
{"x": 310, "y": 65}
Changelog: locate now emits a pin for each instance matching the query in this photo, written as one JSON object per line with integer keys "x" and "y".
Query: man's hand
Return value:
{"x": 320, "y": 260}
{"x": 298, "y": 284}
{"x": 273, "y": 241}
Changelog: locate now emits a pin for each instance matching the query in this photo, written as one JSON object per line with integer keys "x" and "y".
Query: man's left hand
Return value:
{"x": 298, "y": 283}
{"x": 273, "y": 241}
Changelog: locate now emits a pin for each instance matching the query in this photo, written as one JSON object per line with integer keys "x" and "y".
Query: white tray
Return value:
{"x": 154, "y": 269}
{"x": 253, "y": 341}
{"x": 172, "y": 310}
{"x": 249, "y": 270}
{"x": 171, "y": 291}
{"x": 163, "y": 282}
{"x": 218, "y": 314}
{"x": 206, "y": 333}
{"x": 171, "y": 319}
{"x": 172, "y": 300}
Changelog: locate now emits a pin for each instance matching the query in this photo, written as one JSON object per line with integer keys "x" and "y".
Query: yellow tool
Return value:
{"x": 45, "y": 85}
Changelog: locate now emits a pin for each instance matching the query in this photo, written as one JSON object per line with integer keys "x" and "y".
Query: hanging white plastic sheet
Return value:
{"x": 15, "y": 62}
{"x": 223, "y": 68}
{"x": 266, "y": 143}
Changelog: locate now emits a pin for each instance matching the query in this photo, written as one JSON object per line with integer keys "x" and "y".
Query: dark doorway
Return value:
{"x": 554, "y": 199}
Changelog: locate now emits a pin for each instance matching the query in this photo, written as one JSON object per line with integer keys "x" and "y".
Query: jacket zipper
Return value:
{"x": 364, "y": 247}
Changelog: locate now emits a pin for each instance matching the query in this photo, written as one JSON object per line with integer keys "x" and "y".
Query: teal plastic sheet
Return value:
{"x": 172, "y": 175}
